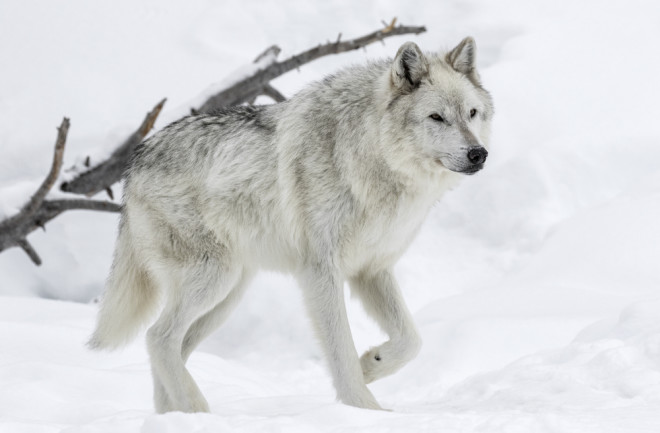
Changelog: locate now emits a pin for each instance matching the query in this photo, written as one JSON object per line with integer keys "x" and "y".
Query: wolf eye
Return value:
{"x": 473, "y": 113}
{"x": 437, "y": 117}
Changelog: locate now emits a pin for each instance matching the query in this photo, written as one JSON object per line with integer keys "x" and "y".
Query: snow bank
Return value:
{"x": 606, "y": 380}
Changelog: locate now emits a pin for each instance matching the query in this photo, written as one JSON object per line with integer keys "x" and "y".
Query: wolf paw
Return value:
{"x": 373, "y": 365}
{"x": 389, "y": 357}
{"x": 364, "y": 400}
{"x": 192, "y": 405}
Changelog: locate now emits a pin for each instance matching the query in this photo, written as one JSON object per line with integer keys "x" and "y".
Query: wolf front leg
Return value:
{"x": 382, "y": 300}
{"x": 324, "y": 297}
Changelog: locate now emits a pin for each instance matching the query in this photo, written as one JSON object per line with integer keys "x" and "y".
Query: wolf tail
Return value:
{"x": 129, "y": 300}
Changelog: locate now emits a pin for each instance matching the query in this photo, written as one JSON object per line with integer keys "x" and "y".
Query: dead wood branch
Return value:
{"x": 38, "y": 211}
{"x": 16, "y": 234}
{"x": 110, "y": 171}
{"x": 253, "y": 86}
{"x": 273, "y": 93}
{"x": 29, "y": 250}
{"x": 273, "y": 50}
{"x": 31, "y": 206}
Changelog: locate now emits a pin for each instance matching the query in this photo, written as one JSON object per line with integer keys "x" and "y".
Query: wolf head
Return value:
{"x": 439, "y": 103}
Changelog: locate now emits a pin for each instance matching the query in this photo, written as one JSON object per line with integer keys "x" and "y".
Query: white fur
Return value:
{"x": 331, "y": 186}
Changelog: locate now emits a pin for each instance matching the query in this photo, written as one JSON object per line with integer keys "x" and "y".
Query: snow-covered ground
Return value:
{"x": 535, "y": 283}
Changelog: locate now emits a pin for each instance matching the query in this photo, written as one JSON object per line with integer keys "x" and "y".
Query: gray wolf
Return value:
{"x": 331, "y": 186}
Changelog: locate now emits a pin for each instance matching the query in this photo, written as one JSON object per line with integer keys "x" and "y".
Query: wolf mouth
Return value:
{"x": 471, "y": 170}
{"x": 467, "y": 170}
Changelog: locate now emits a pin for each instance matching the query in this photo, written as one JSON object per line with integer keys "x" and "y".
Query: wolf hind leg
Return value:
{"x": 200, "y": 286}
{"x": 382, "y": 300}
{"x": 206, "y": 324}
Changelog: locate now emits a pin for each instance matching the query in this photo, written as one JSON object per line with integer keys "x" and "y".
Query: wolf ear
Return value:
{"x": 463, "y": 57}
{"x": 409, "y": 67}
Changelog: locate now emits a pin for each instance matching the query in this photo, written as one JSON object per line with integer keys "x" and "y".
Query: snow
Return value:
{"x": 534, "y": 284}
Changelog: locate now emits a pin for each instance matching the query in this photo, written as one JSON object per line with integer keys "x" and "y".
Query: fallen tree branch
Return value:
{"x": 38, "y": 211}
{"x": 38, "y": 197}
{"x": 16, "y": 235}
{"x": 32, "y": 254}
{"x": 273, "y": 93}
{"x": 253, "y": 86}
{"x": 110, "y": 171}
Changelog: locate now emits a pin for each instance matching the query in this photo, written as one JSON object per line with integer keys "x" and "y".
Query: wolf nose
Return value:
{"x": 477, "y": 155}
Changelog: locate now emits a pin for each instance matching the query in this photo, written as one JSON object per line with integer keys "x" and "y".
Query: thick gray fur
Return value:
{"x": 331, "y": 186}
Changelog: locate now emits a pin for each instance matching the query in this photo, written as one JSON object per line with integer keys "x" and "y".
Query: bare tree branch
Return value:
{"x": 389, "y": 27}
{"x": 27, "y": 247}
{"x": 268, "y": 90}
{"x": 38, "y": 197}
{"x": 252, "y": 86}
{"x": 48, "y": 183}
{"x": 273, "y": 93}
{"x": 109, "y": 172}
{"x": 273, "y": 50}
{"x": 38, "y": 211}
{"x": 59, "y": 206}
{"x": 15, "y": 235}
